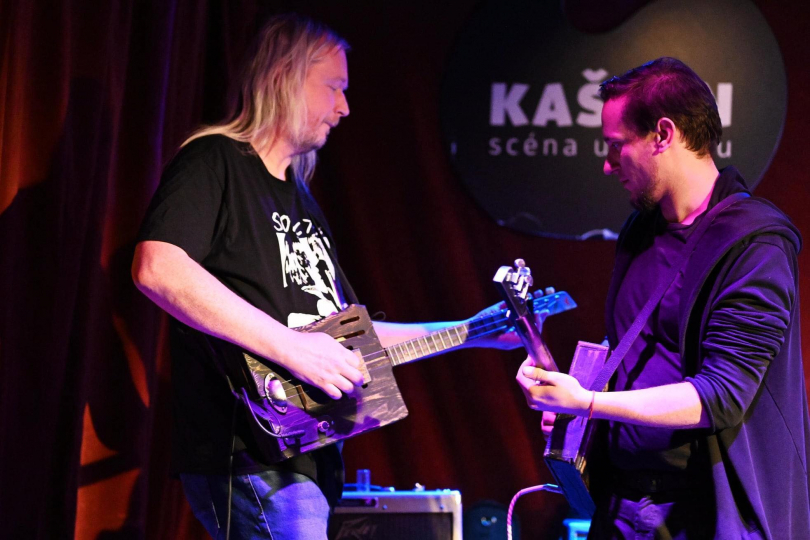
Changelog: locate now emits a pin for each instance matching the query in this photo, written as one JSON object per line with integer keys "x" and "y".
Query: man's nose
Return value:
{"x": 342, "y": 105}
{"x": 608, "y": 167}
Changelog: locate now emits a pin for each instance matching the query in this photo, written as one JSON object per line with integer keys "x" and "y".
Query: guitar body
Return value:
{"x": 305, "y": 418}
{"x": 567, "y": 448}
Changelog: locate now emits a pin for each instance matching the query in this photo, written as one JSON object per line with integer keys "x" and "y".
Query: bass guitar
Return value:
{"x": 567, "y": 447}
{"x": 289, "y": 417}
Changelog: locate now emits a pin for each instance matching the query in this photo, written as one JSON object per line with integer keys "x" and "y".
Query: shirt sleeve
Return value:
{"x": 745, "y": 329}
{"x": 186, "y": 208}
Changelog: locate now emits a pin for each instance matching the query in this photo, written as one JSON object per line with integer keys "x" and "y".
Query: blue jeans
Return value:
{"x": 270, "y": 505}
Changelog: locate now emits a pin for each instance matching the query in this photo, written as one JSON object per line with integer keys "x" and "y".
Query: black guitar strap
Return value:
{"x": 641, "y": 319}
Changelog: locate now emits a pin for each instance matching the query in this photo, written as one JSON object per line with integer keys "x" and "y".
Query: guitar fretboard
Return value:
{"x": 453, "y": 336}
{"x": 447, "y": 338}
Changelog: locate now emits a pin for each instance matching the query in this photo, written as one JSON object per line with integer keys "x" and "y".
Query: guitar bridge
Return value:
{"x": 363, "y": 367}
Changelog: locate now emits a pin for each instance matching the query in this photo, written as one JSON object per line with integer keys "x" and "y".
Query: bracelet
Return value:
{"x": 590, "y": 408}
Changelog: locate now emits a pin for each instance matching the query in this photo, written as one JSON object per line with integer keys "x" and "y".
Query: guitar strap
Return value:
{"x": 633, "y": 332}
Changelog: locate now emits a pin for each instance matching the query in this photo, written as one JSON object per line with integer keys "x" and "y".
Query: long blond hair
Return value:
{"x": 270, "y": 102}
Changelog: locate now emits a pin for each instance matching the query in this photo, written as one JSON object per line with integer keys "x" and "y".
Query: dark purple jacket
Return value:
{"x": 741, "y": 348}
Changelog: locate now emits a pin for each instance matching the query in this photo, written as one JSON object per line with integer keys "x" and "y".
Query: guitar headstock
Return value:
{"x": 514, "y": 284}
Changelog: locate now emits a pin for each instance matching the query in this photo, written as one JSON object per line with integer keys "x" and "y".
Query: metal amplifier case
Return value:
{"x": 395, "y": 515}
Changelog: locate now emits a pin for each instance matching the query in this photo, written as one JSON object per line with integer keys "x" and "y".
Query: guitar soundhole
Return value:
{"x": 353, "y": 334}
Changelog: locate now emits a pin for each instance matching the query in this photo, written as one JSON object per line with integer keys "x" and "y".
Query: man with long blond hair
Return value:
{"x": 235, "y": 249}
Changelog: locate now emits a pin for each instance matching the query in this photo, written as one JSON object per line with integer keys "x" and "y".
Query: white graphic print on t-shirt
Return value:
{"x": 306, "y": 264}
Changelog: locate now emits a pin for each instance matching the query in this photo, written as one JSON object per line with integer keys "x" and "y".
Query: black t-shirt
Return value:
{"x": 264, "y": 239}
{"x": 654, "y": 358}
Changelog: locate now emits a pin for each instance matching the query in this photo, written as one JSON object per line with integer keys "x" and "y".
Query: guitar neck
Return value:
{"x": 543, "y": 356}
{"x": 454, "y": 336}
{"x": 447, "y": 338}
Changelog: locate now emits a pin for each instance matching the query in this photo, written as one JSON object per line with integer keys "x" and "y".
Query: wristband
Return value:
{"x": 590, "y": 408}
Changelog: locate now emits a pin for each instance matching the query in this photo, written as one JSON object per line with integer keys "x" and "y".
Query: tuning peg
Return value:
{"x": 524, "y": 271}
{"x": 550, "y": 290}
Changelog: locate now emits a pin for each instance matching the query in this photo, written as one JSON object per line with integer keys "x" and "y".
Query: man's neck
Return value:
{"x": 277, "y": 158}
{"x": 690, "y": 191}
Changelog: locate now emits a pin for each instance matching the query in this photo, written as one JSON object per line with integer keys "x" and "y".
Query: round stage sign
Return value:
{"x": 521, "y": 115}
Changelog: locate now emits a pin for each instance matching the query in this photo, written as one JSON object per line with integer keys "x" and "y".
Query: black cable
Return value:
{"x": 230, "y": 468}
{"x": 286, "y": 435}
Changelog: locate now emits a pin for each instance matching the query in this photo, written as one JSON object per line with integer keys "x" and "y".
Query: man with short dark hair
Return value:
{"x": 707, "y": 424}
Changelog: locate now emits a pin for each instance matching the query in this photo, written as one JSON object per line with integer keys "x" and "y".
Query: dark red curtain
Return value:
{"x": 96, "y": 96}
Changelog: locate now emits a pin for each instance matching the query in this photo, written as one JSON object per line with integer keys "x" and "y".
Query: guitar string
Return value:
{"x": 494, "y": 318}
{"x": 290, "y": 387}
{"x": 289, "y": 384}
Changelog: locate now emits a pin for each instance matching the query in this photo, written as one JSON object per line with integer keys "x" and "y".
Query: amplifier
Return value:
{"x": 397, "y": 515}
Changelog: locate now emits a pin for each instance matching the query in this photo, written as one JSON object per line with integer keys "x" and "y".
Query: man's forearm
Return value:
{"x": 185, "y": 290}
{"x": 675, "y": 406}
{"x": 175, "y": 282}
{"x": 392, "y": 333}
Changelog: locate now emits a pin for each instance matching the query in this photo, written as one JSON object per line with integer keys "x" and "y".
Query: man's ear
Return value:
{"x": 665, "y": 134}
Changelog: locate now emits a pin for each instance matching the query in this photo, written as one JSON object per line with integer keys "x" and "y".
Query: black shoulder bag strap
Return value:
{"x": 641, "y": 319}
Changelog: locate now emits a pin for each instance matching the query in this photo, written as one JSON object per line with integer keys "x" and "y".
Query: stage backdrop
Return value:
{"x": 95, "y": 98}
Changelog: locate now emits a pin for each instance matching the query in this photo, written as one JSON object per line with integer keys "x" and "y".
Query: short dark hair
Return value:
{"x": 666, "y": 87}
